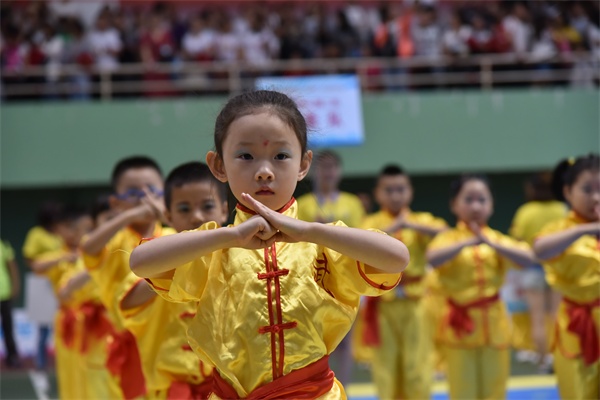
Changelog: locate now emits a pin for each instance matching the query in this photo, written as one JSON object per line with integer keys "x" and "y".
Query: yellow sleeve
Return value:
{"x": 428, "y": 219}
{"x": 189, "y": 280}
{"x": 508, "y": 241}
{"x": 549, "y": 229}
{"x": 31, "y": 247}
{"x": 441, "y": 240}
{"x": 516, "y": 226}
{"x": 350, "y": 279}
{"x": 94, "y": 261}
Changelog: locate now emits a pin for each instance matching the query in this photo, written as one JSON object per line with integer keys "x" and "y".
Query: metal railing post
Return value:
{"x": 105, "y": 86}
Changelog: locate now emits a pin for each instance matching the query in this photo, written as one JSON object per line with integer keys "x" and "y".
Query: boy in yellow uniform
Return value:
{"x": 137, "y": 185}
{"x": 58, "y": 266}
{"x": 471, "y": 261}
{"x": 400, "y": 363}
{"x": 172, "y": 370}
{"x": 570, "y": 250}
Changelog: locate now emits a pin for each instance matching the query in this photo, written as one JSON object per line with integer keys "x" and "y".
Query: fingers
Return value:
{"x": 256, "y": 206}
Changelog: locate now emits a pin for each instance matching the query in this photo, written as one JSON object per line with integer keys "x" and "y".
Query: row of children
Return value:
{"x": 253, "y": 310}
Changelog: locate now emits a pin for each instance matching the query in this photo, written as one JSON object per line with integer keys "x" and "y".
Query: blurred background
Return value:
{"x": 500, "y": 87}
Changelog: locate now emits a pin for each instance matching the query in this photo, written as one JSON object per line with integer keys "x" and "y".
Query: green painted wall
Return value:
{"x": 58, "y": 144}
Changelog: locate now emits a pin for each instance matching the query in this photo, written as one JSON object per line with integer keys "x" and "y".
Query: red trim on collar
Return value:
{"x": 283, "y": 209}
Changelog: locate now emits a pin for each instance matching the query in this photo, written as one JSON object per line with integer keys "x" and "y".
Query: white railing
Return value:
{"x": 484, "y": 71}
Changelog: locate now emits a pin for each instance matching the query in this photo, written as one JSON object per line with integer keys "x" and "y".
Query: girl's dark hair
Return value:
{"x": 568, "y": 170}
{"x": 457, "y": 184}
{"x": 49, "y": 214}
{"x": 257, "y": 101}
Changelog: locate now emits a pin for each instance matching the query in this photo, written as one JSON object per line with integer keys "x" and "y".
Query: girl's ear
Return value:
{"x": 215, "y": 164}
{"x": 305, "y": 164}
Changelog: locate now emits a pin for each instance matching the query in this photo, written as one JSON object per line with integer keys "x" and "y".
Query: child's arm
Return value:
{"x": 402, "y": 223}
{"x": 100, "y": 236}
{"x": 138, "y": 296}
{"x": 41, "y": 266}
{"x": 381, "y": 252}
{"x": 554, "y": 244}
{"x": 521, "y": 257}
{"x": 437, "y": 257}
{"x": 154, "y": 258}
{"x": 74, "y": 284}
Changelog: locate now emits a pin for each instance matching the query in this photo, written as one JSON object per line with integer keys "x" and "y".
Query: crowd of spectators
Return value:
{"x": 101, "y": 36}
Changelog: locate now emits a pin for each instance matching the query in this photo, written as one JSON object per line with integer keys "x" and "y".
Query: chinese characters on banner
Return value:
{"x": 331, "y": 105}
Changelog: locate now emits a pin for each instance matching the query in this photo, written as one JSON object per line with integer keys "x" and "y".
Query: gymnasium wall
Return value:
{"x": 65, "y": 151}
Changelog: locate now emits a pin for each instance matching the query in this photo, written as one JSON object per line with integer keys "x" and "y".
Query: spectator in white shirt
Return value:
{"x": 426, "y": 33}
{"x": 227, "y": 44}
{"x": 259, "y": 44}
{"x": 456, "y": 38}
{"x": 105, "y": 44}
{"x": 199, "y": 41}
{"x": 516, "y": 25}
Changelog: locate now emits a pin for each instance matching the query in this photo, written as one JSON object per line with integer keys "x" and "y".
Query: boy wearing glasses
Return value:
{"x": 395, "y": 322}
{"x": 137, "y": 184}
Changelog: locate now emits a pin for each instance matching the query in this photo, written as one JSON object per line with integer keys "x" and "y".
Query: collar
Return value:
{"x": 578, "y": 218}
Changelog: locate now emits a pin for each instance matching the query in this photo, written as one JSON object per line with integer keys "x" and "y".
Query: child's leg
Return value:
{"x": 385, "y": 366}
{"x": 415, "y": 346}
{"x": 575, "y": 380}
{"x": 462, "y": 372}
{"x": 494, "y": 369}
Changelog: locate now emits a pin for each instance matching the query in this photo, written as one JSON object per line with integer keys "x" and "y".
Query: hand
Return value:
{"x": 256, "y": 233}
{"x": 141, "y": 213}
{"x": 71, "y": 257}
{"x": 157, "y": 204}
{"x": 480, "y": 237}
{"x": 64, "y": 294}
{"x": 290, "y": 230}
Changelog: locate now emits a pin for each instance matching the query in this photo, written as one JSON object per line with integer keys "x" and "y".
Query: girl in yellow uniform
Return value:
{"x": 400, "y": 336}
{"x": 471, "y": 261}
{"x": 192, "y": 197}
{"x": 570, "y": 251}
{"x": 276, "y": 294}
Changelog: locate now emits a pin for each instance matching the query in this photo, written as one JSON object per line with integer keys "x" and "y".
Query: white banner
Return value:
{"x": 331, "y": 105}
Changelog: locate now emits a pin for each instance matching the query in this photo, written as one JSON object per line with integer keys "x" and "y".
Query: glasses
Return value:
{"x": 133, "y": 194}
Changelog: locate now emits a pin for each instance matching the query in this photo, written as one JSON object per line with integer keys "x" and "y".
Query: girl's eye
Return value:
{"x": 245, "y": 156}
{"x": 282, "y": 156}
{"x": 208, "y": 206}
{"x": 183, "y": 209}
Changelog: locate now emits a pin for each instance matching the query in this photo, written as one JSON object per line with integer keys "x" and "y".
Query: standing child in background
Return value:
{"x": 570, "y": 251}
{"x": 542, "y": 302}
{"x": 325, "y": 204}
{"x": 276, "y": 294}
{"x": 41, "y": 239}
{"x": 401, "y": 367}
{"x": 57, "y": 266}
{"x": 10, "y": 286}
{"x": 471, "y": 261}
{"x": 192, "y": 197}
{"x": 137, "y": 185}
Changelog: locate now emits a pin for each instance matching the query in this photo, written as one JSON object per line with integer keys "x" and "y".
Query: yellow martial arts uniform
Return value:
{"x": 401, "y": 361}
{"x": 171, "y": 369}
{"x": 70, "y": 377}
{"x": 435, "y": 307}
{"x": 263, "y": 315}
{"x": 575, "y": 273}
{"x": 93, "y": 328}
{"x": 108, "y": 270}
{"x": 475, "y": 334}
{"x": 39, "y": 241}
{"x": 346, "y": 208}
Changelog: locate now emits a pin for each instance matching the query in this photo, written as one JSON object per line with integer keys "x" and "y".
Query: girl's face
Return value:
{"x": 261, "y": 157}
{"x": 584, "y": 194}
{"x": 473, "y": 203}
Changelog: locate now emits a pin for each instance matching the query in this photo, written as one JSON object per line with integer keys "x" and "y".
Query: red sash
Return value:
{"x": 371, "y": 336}
{"x": 68, "y": 324}
{"x": 189, "y": 391}
{"x": 309, "y": 382}
{"x": 582, "y": 324}
{"x": 124, "y": 362}
{"x": 95, "y": 323}
{"x": 459, "y": 318}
